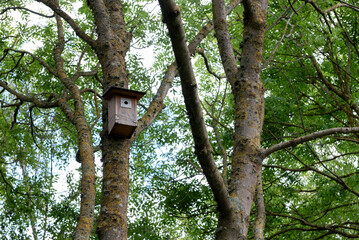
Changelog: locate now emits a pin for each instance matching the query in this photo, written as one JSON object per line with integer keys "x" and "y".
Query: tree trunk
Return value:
{"x": 248, "y": 94}
{"x": 247, "y": 88}
{"x": 111, "y": 48}
{"x": 112, "y": 222}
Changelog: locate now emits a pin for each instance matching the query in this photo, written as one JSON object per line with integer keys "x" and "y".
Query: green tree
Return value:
{"x": 305, "y": 52}
{"x": 245, "y": 181}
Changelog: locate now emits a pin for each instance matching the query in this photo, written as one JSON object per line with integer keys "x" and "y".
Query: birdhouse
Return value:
{"x": 122, "y": 111}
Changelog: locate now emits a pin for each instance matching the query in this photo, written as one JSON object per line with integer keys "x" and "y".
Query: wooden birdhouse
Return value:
{"x": 122, "y": 111}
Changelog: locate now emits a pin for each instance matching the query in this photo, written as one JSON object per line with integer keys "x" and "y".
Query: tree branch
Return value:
{"x": 39, "y": 60}
{"x": 209, "y": 69}
{"x": 259, "y": 222}
{"x": 356, "y": 8}
{"x": 26, "y": 9}
{"x": 229, "y": 61}
{"x": 332, "y": 228}
{"x": 309, "y": 137}
{"x": 156, "y": 104}
{"x": 172, "y": 17}
{"x": 79, "y": 32}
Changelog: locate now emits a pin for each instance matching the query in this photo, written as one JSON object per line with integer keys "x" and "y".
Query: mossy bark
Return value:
{"x": 111, "y": 48}
{"x": 248, "y": 94}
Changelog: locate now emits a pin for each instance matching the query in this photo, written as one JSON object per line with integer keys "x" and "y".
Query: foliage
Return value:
{"x": 311, "y": 77}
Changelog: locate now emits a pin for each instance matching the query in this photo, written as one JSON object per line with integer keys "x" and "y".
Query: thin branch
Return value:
{"x": 283, "y": 15}
{"x": 271, "y": 57}
{"x": 320, "y": 11}
{"x": 292, "y": 7}
{"x": 39, "y": 60}
{"x": 26, "y": 9}
{"x": 26, "y": 98}
{"x": 356, "y": 8}
{"x": 217, "y": 120}
{"x": 194, "y": 165}
{"x": 316, "y": 227}
{"x": 333, "y": 177}
{"x": 209, "y": 69}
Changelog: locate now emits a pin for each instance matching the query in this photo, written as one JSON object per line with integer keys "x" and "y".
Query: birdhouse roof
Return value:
{"x": 112, "y": 91}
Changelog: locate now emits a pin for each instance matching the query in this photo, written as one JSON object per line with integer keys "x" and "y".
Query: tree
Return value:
{"x": 245, "y": 186}
{"x": 81, "y": 57}
{"x": 110, "y": 49}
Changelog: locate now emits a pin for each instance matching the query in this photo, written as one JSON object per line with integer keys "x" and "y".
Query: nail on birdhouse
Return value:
{"x": 122, "y": 111}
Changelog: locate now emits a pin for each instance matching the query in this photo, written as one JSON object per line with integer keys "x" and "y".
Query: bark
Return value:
{"x": 111, "y": 48}
{"x": 229, "y": 61}
{"x": 246, "y": 164}
{"x": 259, "y": 222}
{"x": 88, "y": 195}
{"x": 156, "y": 104}
{"x": 248, "y": 93}
{"x": 112, "y": 222}
{"x": 76, "y": 116}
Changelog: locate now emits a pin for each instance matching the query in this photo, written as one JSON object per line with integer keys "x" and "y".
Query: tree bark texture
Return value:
{"x": 248, "y": 93}
{"x": 234, "y": 203}
{"x": 249, "y": 100}
{"x": 88, "y": 195}
{"x": 260, "y": 220}
{"x": 111, "y": 48}
{"x": 112, "y": 222}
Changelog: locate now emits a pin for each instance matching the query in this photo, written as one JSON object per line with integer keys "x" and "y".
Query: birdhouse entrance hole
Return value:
{"x": 126, "y": 102}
